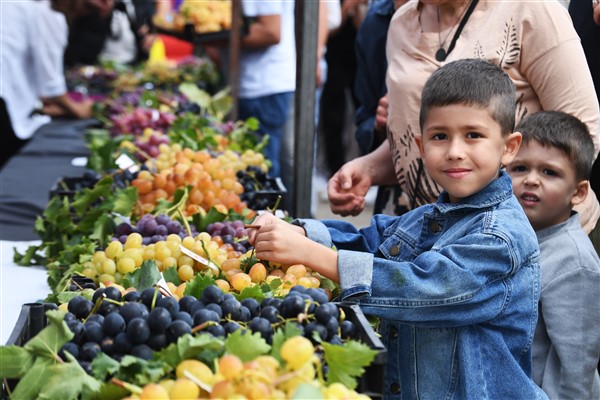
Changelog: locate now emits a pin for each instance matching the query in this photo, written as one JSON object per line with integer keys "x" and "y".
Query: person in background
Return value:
{"x": 423, "y": 36}
{"x": 267, "y": 77}
{"x": 550, "y": 175}
{"x": 370, "y": 117}
{"x": 341, "y": 66}
{"x": 33, "y": 36}
{"x": 455, "y": 284}
{"x": 583, "y": 14}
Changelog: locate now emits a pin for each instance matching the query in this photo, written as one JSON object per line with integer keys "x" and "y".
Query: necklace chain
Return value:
{"x": 440, "y": 54}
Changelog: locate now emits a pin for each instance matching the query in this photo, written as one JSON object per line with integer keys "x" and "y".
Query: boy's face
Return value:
{"x": 462, "y": 148}
{"x": 545, "y": 184}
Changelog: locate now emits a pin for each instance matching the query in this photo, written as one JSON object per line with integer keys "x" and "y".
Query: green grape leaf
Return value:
{"x": 140, "y": 372}
{"x": 68, "y": 381}
{"x": 246, "y": 345}
{"x": 103, "y": 228}
{"x": 32, "y": 383}
{"x": 347, "y": 362}
{"x": 66, "y": 296}
{"x": 142, "y": 278}
{"x": 204, "y": 347}
{"x": 254, "y": 292}
{"x": 212, "y": 216}
{"x": 196, "y": 286}
{"x": 103, "y": 366}
{"x": 307, "y": 391}
{"x": 124, "y": 200}
{"x": 29, "y": 257}
{"x": 49, "y": 340}
{"x": 252, "y": 124}
{"x": 170, "y": 275}
{"x": 85, "y": 199}
{"x": 108, "y": 391}
{"x": 15, "y": 361}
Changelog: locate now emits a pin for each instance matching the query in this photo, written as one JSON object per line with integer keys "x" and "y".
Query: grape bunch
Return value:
{"x": 230, "y": 232}
{"x": 139, "y": 323}
{"x": 140, "y": 118}
{"x": 260, "y": 191}
{"x": 147, "y": 145}
{"x": 153, "y": 229}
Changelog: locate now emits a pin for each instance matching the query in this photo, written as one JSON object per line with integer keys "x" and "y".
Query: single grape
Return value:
{"x": 271, "y": 314}
{"x": 93, "y": 332}
{"x": 69, "y": 347}
{"x": 186, "y": 302}
{"x": 170, "y": 304}
{"x": 252, "y": 305}
{"x": 212, "y": 294}
{"x": 332, "y": 326}
{"x": 319, "y": 295}
{"x": 231, "y": 326}
{"x": 261, "y": 325}
{"x": 122, "y": 344}
{"x": 157, "y": 341}
{"x": 348, "y": 330}
{"x": 150, "y": 295}
{"x": 185, "y": 317}
{"x": 132, "y": 296}
{"x": 107, "y": 345}
{"x": 216, "y": 308}
{"x": 133, "y": 310}
{"x": 138, "y": 330}
{"x": 231, "y": 309}
{"x": 96, "y": 318}
{"x": 89, "y": 351}
{"x": 162, "y": 219}
{"x": 292, "y": 306}
{"x": 177, "y": 329}
{"x": 114, "y": 323}
{"x": 326, "y": 311}
{"x": 173, "y": 227}
{"x": 216, "y": 330}
{"x": 113, "y": 293}
{"x": 159, "y": 319}
{"x": 142, "y": 351}
{"x": 205, "y": 315}
{"x": 315, "y": 328}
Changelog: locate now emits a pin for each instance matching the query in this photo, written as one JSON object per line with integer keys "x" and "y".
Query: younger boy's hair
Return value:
{"x": 472, "y": 82}
{"x": 565, "y": 132}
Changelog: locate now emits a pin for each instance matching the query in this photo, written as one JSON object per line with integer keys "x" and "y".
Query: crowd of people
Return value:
{"x": 479, "y": 121}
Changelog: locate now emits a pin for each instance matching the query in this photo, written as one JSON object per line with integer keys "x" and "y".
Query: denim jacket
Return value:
{"x": 456, "y": 288}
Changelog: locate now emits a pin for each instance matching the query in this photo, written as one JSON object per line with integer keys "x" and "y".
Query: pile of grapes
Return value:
{"x": 231, "y": 232}
{"x": 147, "y": 145}
{"x": 260, "y": 191}
{"x": 134, "y": 122}
{"x": 139, "y": 323}
{"x": 153, "y": 229}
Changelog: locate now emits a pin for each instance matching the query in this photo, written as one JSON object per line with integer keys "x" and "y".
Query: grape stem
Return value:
{"x": 96, "y": 307}
{"x": 203, "y": 325}
{"x": 132, "y": 388}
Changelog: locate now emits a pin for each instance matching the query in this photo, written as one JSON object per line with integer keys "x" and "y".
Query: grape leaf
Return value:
{"x": 142, "y": 278}
{"x": 196, "y": 286}
{"x": 103, "y": 366}
{"x": 109, "y": 391}
{"x": 66, "y": 296}
{"x": 68, "y": 381}
{"x": 246, "y": 345}
{"x": 307, "y": 391}
{"x": 204, "y": 346}
{"x": 140, "y": 372}
{"x": 49, "y": 340}
{"x": 170, "y": 275}
{"x": 195, "y": 94}
{"x": 29, "y": 257}
{"x": 103, "y": 227}
{"x": 254, "y": 292}
{"x": 32, "y": 383}
{"x": 347, "y": 362}
{"x": 15, "y": 361}
{"x": 125, "y": 200}
{"x": 86, "y": 198}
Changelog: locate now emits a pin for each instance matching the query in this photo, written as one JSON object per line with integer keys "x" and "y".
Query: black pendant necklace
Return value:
{"x": 441, "y": 54}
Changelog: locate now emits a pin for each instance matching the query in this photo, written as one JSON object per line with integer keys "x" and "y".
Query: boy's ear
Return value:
{"x": 419, "y": 141}
{"x": 512, "y": 143}
{"x": 581, "y": 192}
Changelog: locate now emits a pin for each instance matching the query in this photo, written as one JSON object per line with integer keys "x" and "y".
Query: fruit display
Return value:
{"x": 205, "y": 16}
{"x": 134, "y": 344}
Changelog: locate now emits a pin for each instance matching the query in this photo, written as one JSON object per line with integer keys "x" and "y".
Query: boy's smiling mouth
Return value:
{"x": 529, "y": 198}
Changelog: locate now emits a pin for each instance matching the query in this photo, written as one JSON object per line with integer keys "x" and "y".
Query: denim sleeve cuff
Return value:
{"x": 356, "y": 273}
{"x": 315, "y": 231}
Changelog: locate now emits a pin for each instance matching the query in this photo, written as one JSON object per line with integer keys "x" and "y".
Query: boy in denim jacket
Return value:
{"x": 550, "y": 175}
{"x": 455, "y": 283}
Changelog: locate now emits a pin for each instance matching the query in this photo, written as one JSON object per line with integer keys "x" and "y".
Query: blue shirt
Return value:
{"x": 371, "y": 66}
{"x": 456, "y": 287}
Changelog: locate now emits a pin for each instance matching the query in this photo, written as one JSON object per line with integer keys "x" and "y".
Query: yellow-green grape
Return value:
{"x": 297, "y": 351}
{"x": 114, "y": 249}
{"x": 184, "y": 389}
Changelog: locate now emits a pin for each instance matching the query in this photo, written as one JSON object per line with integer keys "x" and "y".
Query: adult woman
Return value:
{"x": 533, "y": 42}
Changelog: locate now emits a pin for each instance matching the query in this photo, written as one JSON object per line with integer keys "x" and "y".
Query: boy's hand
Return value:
{"x": 281, "y": 243}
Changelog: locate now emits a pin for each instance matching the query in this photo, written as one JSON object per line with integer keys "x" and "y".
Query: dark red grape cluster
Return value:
{"x": 153, "y": 229}
{"x": 134, "y": 122}
{"x": 231, "y": 232}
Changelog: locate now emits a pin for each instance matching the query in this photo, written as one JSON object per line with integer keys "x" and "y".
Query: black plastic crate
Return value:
{"x": 263, "y": 199}
{"x": 373, "y": 380}
{"x": 68, "y": 186}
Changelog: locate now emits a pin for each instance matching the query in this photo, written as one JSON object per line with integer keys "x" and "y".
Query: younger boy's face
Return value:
{"x": 545, "y": 184}
{"x": 462, "y": 148}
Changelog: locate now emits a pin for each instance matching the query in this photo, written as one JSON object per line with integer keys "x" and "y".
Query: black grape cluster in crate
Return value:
{"x": 79, "y": 282}
{"x": 255, "y": 181}
{"x": 153, "y": 229}
{"x": 140, "y": 323}
{"x": 231, "y": 232}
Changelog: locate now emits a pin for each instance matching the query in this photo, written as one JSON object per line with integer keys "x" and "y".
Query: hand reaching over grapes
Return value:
{"x": 287, "y": 244}
{"x": 268, "y": 218}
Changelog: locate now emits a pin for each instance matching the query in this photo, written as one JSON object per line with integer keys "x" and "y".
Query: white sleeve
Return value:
{"x": 334, "y": 14}
{"x": 254, "y": 8}
{"x": 50, "y": 35}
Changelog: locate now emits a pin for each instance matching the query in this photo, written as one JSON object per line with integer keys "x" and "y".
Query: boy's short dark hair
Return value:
{"x": 565, "y": 132}
{"x": 472, "y": 82}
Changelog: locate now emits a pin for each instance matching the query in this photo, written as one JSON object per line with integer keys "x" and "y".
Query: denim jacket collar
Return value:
{"x": 499, "y": 190}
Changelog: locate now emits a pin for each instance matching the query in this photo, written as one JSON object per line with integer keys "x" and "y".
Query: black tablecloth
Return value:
{"x": 27, "y": 178}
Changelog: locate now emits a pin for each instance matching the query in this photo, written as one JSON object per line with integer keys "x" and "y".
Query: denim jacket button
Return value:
{"x": 394, "y": 250}
{"x": 434, "y": 226}
{"x": 394, "y": 332}
{"x": 395, "y": 388}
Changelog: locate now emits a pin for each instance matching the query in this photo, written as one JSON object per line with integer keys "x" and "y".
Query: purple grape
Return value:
{"x": 237, "y": 224}
{"x": 241, "y": 232}
{"x": 228, "y": 239}
{"x": 174, "y": 227}
{"x": 162, "y": 219}
{"x": 149, "y": 228}
{"x": 239, "y": 247}
{"x": 141, "y": 225}
{"x": 123, "y": 238}
{"x": 217, "y": 226}
{"x": 146, "y": 240}
{"x": 227, "y": 230}
{"x": 157, "y": 238}
{"x": 123, "y": 229}
{"x": 210, "y": 229}
{"x": 161, "y": 230}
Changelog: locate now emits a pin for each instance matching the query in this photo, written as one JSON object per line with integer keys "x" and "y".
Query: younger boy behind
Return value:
{"x": 456, "y": 283}
{"x": 550, "y": 175}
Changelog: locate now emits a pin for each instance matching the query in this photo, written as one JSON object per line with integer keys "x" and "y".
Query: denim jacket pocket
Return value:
{"x": 398, "y": 247}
